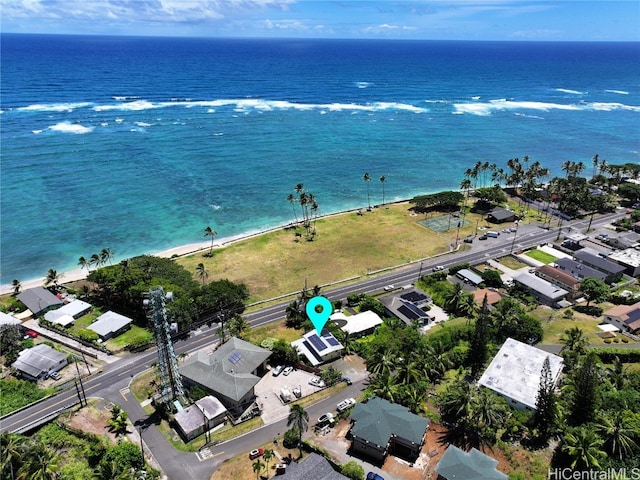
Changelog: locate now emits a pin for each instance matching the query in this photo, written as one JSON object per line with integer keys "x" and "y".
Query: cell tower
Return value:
{"x": 170, "y": 381}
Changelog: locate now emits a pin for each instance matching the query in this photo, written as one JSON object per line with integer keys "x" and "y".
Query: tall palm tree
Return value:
{"x": 15, "y": 283}
{"x": 202, "y": 272}
{"x": 12, "y": 449}
{"x": 95, "y": 260}
{"x": 210, "y": 232}
{"x": 53, "y": 277}
{"x": 383, "y": 180}
{"x": 584, "y": 448}
{"x": 106, "y": 255}
{"x": 238, "y": 326}
{"x": 292, "y": 200}
{"x": 257, "y": 467}
{"x": 268, "y": 456}
{"x": 83, "y": 262}
{"x": 385, "y": 386}
{"x": 616, "y": 430}
{"x": 299, "y": 419}
{"x": 367, "y": 178}
{"x": 41, "y": 463}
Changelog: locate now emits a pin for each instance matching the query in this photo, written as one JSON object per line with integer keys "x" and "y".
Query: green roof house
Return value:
{"x": 230, "y": 373}
{"x": 381, "y": 427}
{"x": 456, "y": 464}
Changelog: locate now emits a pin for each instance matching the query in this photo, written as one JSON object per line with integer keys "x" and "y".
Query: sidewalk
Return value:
{"x": 69, "y": 342}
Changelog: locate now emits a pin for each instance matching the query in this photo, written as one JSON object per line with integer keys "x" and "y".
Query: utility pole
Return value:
{"x": 81, "y": 386}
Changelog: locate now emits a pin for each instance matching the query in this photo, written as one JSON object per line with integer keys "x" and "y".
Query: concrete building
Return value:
{"x": 230, "y": 373}
{"x": 380, "y": 428}
{"x": 515, "y": 373}
{"x": 318, "y": 349}
{"x": 625, "y": 317}
{"x": 202, "y": 416}
{"x": 543, "y": 291}
{"x": 39, "y": 300}
{"x": 629, "y": 259}
{"x": 456, "y": 464}
{"x": 35, "y": 363}
{"x": 110, "y": 324}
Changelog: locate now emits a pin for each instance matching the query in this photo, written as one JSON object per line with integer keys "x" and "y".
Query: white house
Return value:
{"x": 68, "y": 313}
{"x": 110, "y": 324}
{"x": 318, "y": 349}
{"x": 515, "y": 373}
{"x": 359, "y": 325}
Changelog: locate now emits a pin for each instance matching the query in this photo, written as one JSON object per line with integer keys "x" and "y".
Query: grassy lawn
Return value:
{"x": 554, "y": 325}
{"x": 241, "y": 468}
{"x": 346, "y": 246}
{"x": 141, "y": 384}
{"x": 133, "y": 335}
{"x": 541, "y": 256}
{"x": 511, "y": 262}
{"x": 277, "y": 330}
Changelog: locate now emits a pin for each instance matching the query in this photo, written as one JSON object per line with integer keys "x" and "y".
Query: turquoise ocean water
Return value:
{"x": 137, "y": 144}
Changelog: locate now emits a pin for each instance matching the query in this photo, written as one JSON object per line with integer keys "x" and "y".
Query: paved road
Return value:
{"x": 112, "y": 383}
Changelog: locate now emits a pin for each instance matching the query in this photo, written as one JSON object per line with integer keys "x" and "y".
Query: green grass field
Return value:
{"x": 346, "y": 246}
{"x": 541, "y": 256}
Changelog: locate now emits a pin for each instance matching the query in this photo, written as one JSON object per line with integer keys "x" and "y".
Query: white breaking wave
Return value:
{"x": 144, "y": 124}
{"x": 131, "y": 106}
{"x": 363, "y": 84}
{"x": 573, "y": 92}
{"x": 124, "y": 97}
{"x": 53, "y": 107}
{"x": 215, "y": 207}
{"x": 487, "y": 108}
{"x": 66, "y": 127}
{"x": 620, "y": 92}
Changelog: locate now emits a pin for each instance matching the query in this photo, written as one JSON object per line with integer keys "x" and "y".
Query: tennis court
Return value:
{"x": 443, "y": 223}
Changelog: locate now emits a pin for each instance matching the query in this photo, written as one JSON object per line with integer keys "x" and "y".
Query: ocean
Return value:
{"x": 138, "y": 144}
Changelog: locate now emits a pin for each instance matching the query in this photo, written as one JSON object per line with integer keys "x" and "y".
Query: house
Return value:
{"x": 68, "y": 313}
{"x": 501, "y": 215}
{"x": 35, "y": 363}
{"x": 578, "y": 270}
{"x": 623, "y": 240}
{"x": 558, "y": 277}
{"x": 6, "y": 319}
{"x": 318, "y": 349}
{"x": 203, "y": 415}
{"x": 543, "y": 291}
{"x": 456, "y": 464}
{"x": 380, "y": 427}
{"x": 629, "y": 259}
{"x": 515, "y": 373}
{"x": 230, "y": 373}
{"x": 493, "y": 296}
{"x": 613, "y": 272}
{"x": 312, "y": 467}
{"x": 110, "y": 324}
{"x": 39, "y": 300}
{"x": 625, "y": 317}
{"x": 411, "y": 306}
{"x": 359, "y": 325}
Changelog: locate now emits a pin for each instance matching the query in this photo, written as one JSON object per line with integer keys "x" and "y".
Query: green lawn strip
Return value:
{"x": 511, "y": 262}
{"x": 141, "y": 384}
{"x": 541, "y": 256}
{"x": 346, "y": 245}
{"x": 133, "y": 335}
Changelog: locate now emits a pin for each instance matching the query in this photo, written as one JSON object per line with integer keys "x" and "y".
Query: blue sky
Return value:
{"x": 550, "y": 20}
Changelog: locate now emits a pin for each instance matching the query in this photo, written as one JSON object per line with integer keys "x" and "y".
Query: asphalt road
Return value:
{"x": 112, "y": 383}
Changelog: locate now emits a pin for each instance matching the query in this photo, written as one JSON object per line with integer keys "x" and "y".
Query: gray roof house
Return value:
{"x": 410, "y": 305}
{"x": 515, "y": 373}
{"x": 68, "y": 313}
{"x": 380, "y": 427}
{"x": 312, "y": 467}
{"x": 578, "y": 270}
{"x": 6, "y": 319}
{"x": 36, "y": 362}
{"x": 473, "y": 465}
{"x": 203, "y": 415}
{"x": 543, "y": 291}
{"x": 612, "y": 270}
{"x": 39, "y": 300}
{"x": 230, "y": 373}
{"x": 500, "y": 215}
{"x": 110, "y": 324}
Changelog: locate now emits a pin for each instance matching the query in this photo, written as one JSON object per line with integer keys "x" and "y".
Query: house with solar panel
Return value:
{"x": 410, "y": 305}
{"x": 318, "y": 349}
{"x": 230, "y": 373}
{"x": 625, "y": 317}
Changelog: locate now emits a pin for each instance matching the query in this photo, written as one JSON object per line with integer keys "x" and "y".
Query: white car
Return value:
{"x": 277, "y": 371}
{"x": 438, "y": 268}
{"x": 287, "y": 371}
{"x": 326, "y": 418}
{"x": 317, "y": 382}
{"x": 343, "y": 405}
{"x": 388, "y": 288}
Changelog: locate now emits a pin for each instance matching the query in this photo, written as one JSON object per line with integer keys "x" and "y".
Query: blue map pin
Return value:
{"x": 319, "y": 319}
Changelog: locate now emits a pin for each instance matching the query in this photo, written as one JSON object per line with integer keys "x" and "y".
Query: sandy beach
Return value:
{"x": 179, "y": 251}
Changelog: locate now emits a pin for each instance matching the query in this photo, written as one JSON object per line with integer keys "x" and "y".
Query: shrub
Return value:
{"x": 353, "y": 470}
{"x": 291, "y": 438}
{"x": 87, "y": 335}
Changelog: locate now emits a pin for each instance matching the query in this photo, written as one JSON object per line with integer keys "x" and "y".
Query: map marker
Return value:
{"x": 319, "y": 319}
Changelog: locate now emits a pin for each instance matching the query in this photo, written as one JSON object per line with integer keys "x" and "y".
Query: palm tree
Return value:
{"x": 617, "y": 432}
{"x": 367, "y": 178}
{"x": 257, "y": 467}
{"x": 574, "y": 340}
{"x": 268, "y": 456}
{"x": 385, "y": 386}
{"x": 292, "y": 200}
{"x": 457, "y": 298}
{"x": 41, "y": 463}
{"x": 202, "y": 272}
{"x": 95, "y": 260}
{"x": 299, "y": 418}
{"x": 584, "y": 448}
{"x": 11, "y": 452}
{"x": 84, "y": 263}
{"x": 383, "y": 179}
{"x": 238, "y": 326}
{"x": 15, "y": 283}
{"x": 53, "y": 277}
{"x": 617, "y": 374}
{"x": 210, "y": 232}
{"x": 106, "y": 255}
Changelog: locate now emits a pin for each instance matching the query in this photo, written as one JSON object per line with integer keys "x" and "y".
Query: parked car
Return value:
{"x": 347, "y": 380}
{"x": 468, "y": 240}
{"x": 316, "y": 382}
{"x": 255, "y": 453}
{"x": 287, "y": 371}
{"x": 347, "y": 403}
{"x": 297, "y": 392}
{"x": 277, "y": 371}
{"x": 54, "y": 375}
{"x": 374, "y": 476}
{"x": 482, "y": 237}
{"x": 31, "y": 334}
{"x": 326, "y": 418}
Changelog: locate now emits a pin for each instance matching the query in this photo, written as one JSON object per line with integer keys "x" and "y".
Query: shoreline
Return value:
{"x": 78, "y": 274}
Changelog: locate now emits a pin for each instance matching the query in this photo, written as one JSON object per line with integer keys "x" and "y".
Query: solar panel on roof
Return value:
{"x": 235, "y": 357}
{"x": 404, "y": 310}
{"x": 332, "y": 341}
{"x": 316, "y": 342}
{"x": 414, "y": 297}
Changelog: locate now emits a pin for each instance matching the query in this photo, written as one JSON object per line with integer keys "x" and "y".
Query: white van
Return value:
{"x": 493, "y": 234}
